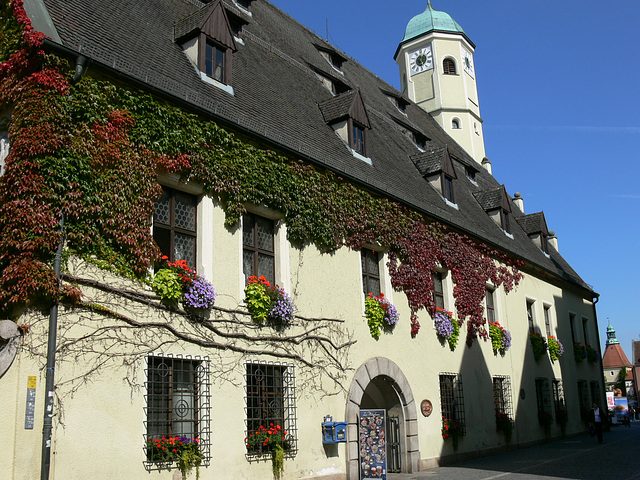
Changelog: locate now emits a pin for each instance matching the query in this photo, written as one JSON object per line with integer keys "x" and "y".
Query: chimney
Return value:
{"x": 553, "y": 240}
{"x": 519, "y": 201}
{"x": 487, "y": 165}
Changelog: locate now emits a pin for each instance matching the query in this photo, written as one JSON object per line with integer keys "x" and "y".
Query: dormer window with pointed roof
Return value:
{"x": 397, "y": 99}
{"x": 436, "y": 166}
{"x": 334, "y": 58}
{"x": 207, "y": 37}
{"x": 535, "y": 226}
{"x": 347, "y": 115}
{"x": 411, "y": 130}
{"x": 495, "y": 202}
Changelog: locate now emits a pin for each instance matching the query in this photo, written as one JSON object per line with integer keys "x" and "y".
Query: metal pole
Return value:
{"x": 51, "y": 364}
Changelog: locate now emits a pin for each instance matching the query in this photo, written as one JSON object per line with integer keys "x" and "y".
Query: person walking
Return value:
{"x": 597, "y": 418}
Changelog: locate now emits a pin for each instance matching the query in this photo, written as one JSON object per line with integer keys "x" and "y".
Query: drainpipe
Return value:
{"x": 81, "y": 64}
{"x": 51, "y": 364}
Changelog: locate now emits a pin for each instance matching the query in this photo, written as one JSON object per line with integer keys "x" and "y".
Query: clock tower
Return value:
{"x": 437, "y": 72}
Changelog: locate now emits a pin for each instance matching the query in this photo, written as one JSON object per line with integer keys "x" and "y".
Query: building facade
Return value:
{"x": 363, "y": 258}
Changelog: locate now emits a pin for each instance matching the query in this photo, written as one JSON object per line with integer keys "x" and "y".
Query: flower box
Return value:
{"x": 381, "y": 314}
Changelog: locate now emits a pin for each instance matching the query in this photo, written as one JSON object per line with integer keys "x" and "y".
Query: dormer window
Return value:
{"x": 449, "y": 66}
{"x": 447, "y": 188}
{"x": 436, "y": 166}
{"x": 420, "y": 140}
{"x": 471, "y": 173}
{"x": 495, "y": 202}
{"x": 207, "y": 38}
{"x": 335, "y": 59}
{"x": 347, "y": 115}
{"x": 243, "y": 3}
{"x": 535, "y": 226}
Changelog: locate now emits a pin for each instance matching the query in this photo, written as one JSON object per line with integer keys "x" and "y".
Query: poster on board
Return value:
{"x": 373, "y": 445}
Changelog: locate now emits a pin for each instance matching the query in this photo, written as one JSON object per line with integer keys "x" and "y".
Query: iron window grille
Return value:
{"x": 583, "y": 398}
{"x": 491, "y": 310}
{"x": 258, "y": 254}
{"x": 270, "y": 401}
{"x": 452, "y": 399}
{"x": 174, "y": 225}
{"x": 543, "y": 400}
{"x": 438, "y": 290}
{"x": 558, "y": 397}
{"x": 370, "y": 262}
{"x": 177, "y": 402}
{"x": 449, "y": 66}
{"x": 502, "y": 395}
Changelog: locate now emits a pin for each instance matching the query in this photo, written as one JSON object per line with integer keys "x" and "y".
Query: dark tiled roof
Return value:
{"x": 338, "y": 107}
{"x": 429, "y": 162}
{"x": 276, "y": 99}
{"x": 491, "y": 198}
{"x": 533, "y": 223}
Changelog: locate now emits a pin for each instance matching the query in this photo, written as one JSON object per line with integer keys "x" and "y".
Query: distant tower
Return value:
{"x": 435, "y": 59}
{"x": 611, "y": 335}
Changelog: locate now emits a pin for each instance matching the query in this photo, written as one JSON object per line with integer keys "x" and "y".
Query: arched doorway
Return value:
{"x": 379, "y": 383}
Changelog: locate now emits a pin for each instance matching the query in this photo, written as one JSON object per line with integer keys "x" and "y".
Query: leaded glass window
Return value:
{"x": 258, "y": 254}
{"x": 370, "y": 271}
{"x": 174, "y": 225}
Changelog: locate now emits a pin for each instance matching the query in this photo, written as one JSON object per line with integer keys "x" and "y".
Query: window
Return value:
{"x": 449, "y": 66}
{"x": 583, "y": 399}
{"x": 542, "y": 399}
{"x": 585, "y": 330}
{"x": 596, "y": 395}
{"x": 455, "y": 124}
{"x": 270, "y": 399}
{"x": 178, "y": 400}
{"x": 504, "y": 220}
{"x": 214, "y": 62}
{"x": 420, "y": 140}
{"x": 530, "y": 316}
{"x": 558, "y": 398}
{"x": 491, "y": 311}
{"x": 572, "y": 324}
{"x": 452, "y": 398}
{"x": 357, "y": 139}
{"x": 502, "y": 395}
{"x": 438, "y": 290}
{"x": 471, "y": 173}
{"x": 447, "y": 188}
{"x": 4, "y": 150}
{"x": 258, "y": 254}
{"x": 547, "y": 320}
{"x": 370, "y": 272}
{"x": 174, "y": 225}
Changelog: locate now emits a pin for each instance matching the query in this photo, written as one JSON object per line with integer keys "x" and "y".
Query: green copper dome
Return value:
{"x": 430, "y": 20}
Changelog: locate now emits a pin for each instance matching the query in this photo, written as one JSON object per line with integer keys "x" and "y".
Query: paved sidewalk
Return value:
{"x": 579, "y": 458}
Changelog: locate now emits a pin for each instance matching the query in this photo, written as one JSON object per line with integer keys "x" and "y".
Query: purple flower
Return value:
{"x": 391, "y": 313}
{"x": 200, "y": 294}
{"x": 444, "y": 327}
{"x": 506, "y": 340}
{"x": 283, "y": 308}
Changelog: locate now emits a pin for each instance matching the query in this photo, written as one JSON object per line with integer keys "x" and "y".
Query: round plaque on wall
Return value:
{"x": 426, "y": 407}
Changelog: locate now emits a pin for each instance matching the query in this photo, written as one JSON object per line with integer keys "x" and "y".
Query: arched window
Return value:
{"x": 455, "y": 124}
{"x": 449, "y": 66}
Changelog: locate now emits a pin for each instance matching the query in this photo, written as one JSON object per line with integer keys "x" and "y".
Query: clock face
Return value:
{"x": 421, "y": 60}
{"x": 467, "y": 62}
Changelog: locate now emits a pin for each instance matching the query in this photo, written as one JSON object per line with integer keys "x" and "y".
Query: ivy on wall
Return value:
{"x": 93, "y": 152}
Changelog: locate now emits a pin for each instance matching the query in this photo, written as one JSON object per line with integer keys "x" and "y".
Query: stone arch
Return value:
{"x": 376, "y": 368}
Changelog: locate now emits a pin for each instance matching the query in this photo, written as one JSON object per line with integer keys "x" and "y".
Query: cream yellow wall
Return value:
{"x": 103, "y": 432}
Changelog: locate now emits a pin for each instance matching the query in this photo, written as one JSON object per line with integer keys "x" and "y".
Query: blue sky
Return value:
{"x": 558, "y": 84}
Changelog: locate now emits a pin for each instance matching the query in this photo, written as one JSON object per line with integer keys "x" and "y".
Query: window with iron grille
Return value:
{"x": 491, "y": 311}
{"x": 438, "y": 289}
{"x": 174, "y": 225}
{"x": 270, "y": 401}
{"x": 449, "y": 66}
{"x": 177, "y": 398}
{"x": 583, "y": 399}
{"x": 452, "y": 399}
{"x": 370, "y": 262}
{"x": 502, "y": 395}
{"x": 258, "y": 254}
{"x": 543, "y": 399}
{"x": 558, "y": 396}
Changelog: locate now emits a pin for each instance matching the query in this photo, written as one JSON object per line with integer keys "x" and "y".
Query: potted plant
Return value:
{"x": 556, "y": 349}
{"x": 451, "y": 428}
{"x": 381, "y": 314}
{"x": 504, "y": 424}
{"x": 447, "y": 328}
{"x": 591, "y": 353}
{"x": 183, "y": 450}
{"x": 538, "y": 344}
{"x": 578, "y": 352}
{"x": 177, "y": 282}
{"x": 500, "y": 338}
{"x": 268, "y": 303}
{"x": 272, "y": 440}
